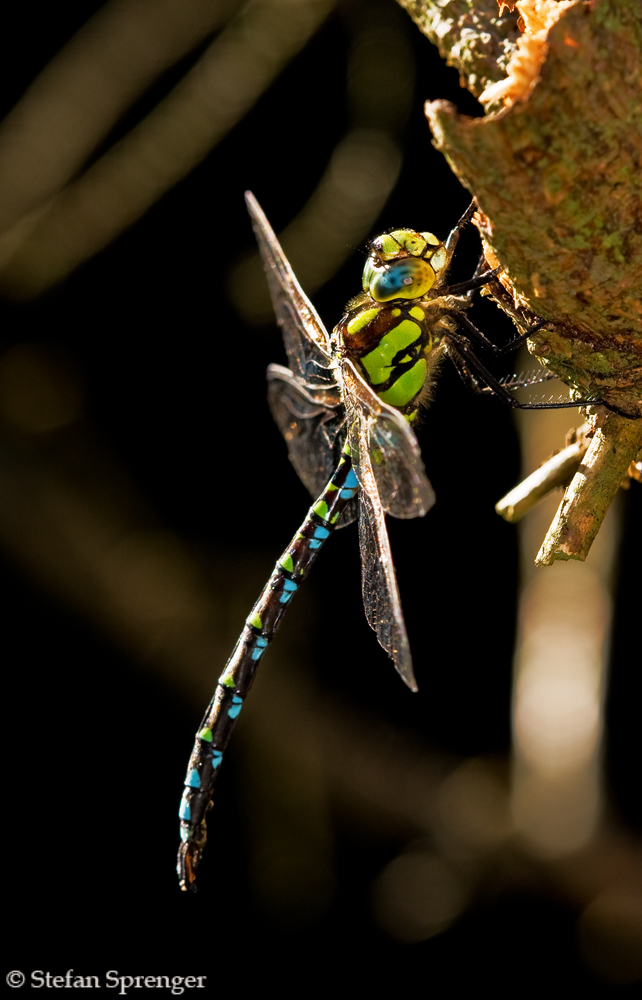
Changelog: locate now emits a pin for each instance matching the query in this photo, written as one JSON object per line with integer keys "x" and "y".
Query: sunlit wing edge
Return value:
{"x": 276, "y": 262}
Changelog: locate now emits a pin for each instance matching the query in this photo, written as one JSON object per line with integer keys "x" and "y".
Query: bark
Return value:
{"x": 556, "y": 167}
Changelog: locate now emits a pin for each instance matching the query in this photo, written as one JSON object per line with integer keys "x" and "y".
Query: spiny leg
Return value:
{"x": 476, "y": 385}
{"x": 234, "y": 683}
{"x": 499, "y": 387}
{"x": 472, "y": 370}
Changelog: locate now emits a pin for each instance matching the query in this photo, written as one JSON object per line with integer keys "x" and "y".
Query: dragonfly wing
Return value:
{"x": 312, "y": 421}
{"x": 378, "y": 580}
{"x": 390, "y": 443}
{"x": 306, "y": 339}
{"x": 384, "y": 450}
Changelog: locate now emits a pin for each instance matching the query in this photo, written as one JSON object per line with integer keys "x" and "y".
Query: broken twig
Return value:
{"x": 614, "y": 446}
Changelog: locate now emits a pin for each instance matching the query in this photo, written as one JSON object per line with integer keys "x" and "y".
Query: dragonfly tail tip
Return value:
{"x": 188, "y": 858}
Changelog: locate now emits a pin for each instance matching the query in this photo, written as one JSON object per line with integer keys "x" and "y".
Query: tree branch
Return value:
{"x": 557, "y": 173}
{"x": 614, "y": 446}
{"x": 556, "y": 472}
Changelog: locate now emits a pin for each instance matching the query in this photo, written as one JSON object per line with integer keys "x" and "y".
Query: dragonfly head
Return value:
{"x": 403, "y": 264}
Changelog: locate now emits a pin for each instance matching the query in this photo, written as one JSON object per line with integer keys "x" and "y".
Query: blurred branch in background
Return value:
{"x": 464, "y": 839}
{"x": 362, "y": 172}
{"x": 72, "y": 520}
{"x": 45, "y": 245}
{"x": 72, "y": 105}
{"x": 565, "y": 619}
{"x": 51, "y": 222}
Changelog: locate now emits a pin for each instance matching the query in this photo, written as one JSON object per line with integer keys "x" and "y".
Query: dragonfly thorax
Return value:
{"x": 390, "y": 345}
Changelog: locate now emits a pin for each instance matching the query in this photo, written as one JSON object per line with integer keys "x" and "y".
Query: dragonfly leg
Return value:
{"x": 476, "y": 334}
{"x": 454, "y": 234}
{"x": 473, "y": 372}
{"x": 477, "y": 281}
{"x": 479, "y": 278}
{"x": 477, "y": 377}
{"x": 516, "y": 342}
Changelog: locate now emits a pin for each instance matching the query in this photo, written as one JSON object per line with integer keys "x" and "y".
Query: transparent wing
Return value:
{"x": 388, "y": 465}
{"x": 313, "y": 425}
{"x": 310, "y": 422}
{"x": 381, "y": 599}
{"x": 381, "y": 432}
{"x": 306, "y": 339}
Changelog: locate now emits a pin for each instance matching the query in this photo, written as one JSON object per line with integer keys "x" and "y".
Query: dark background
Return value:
{"x": 98, "y": 743}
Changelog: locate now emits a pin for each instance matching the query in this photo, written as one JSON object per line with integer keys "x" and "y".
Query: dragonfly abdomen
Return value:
{"x": 234, "y": 683}
{"x": 390, "y": 344}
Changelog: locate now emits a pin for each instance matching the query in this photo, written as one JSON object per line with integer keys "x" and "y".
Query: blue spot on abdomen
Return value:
{"x": 237, "y": 705}
{"x": 289, "y": 586}
{"x": 259, "y": 649}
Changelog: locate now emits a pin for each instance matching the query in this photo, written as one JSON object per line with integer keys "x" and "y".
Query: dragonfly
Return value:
{"x": 346, "y": 406}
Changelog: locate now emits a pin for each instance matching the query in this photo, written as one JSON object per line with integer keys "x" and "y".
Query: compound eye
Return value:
{"x": 401, "y": 279}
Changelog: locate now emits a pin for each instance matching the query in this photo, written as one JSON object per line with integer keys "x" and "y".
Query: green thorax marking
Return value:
{"x": 389, "y": 344}
{"x": 407, "y": 386}
{"x": 378, "y": 363}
